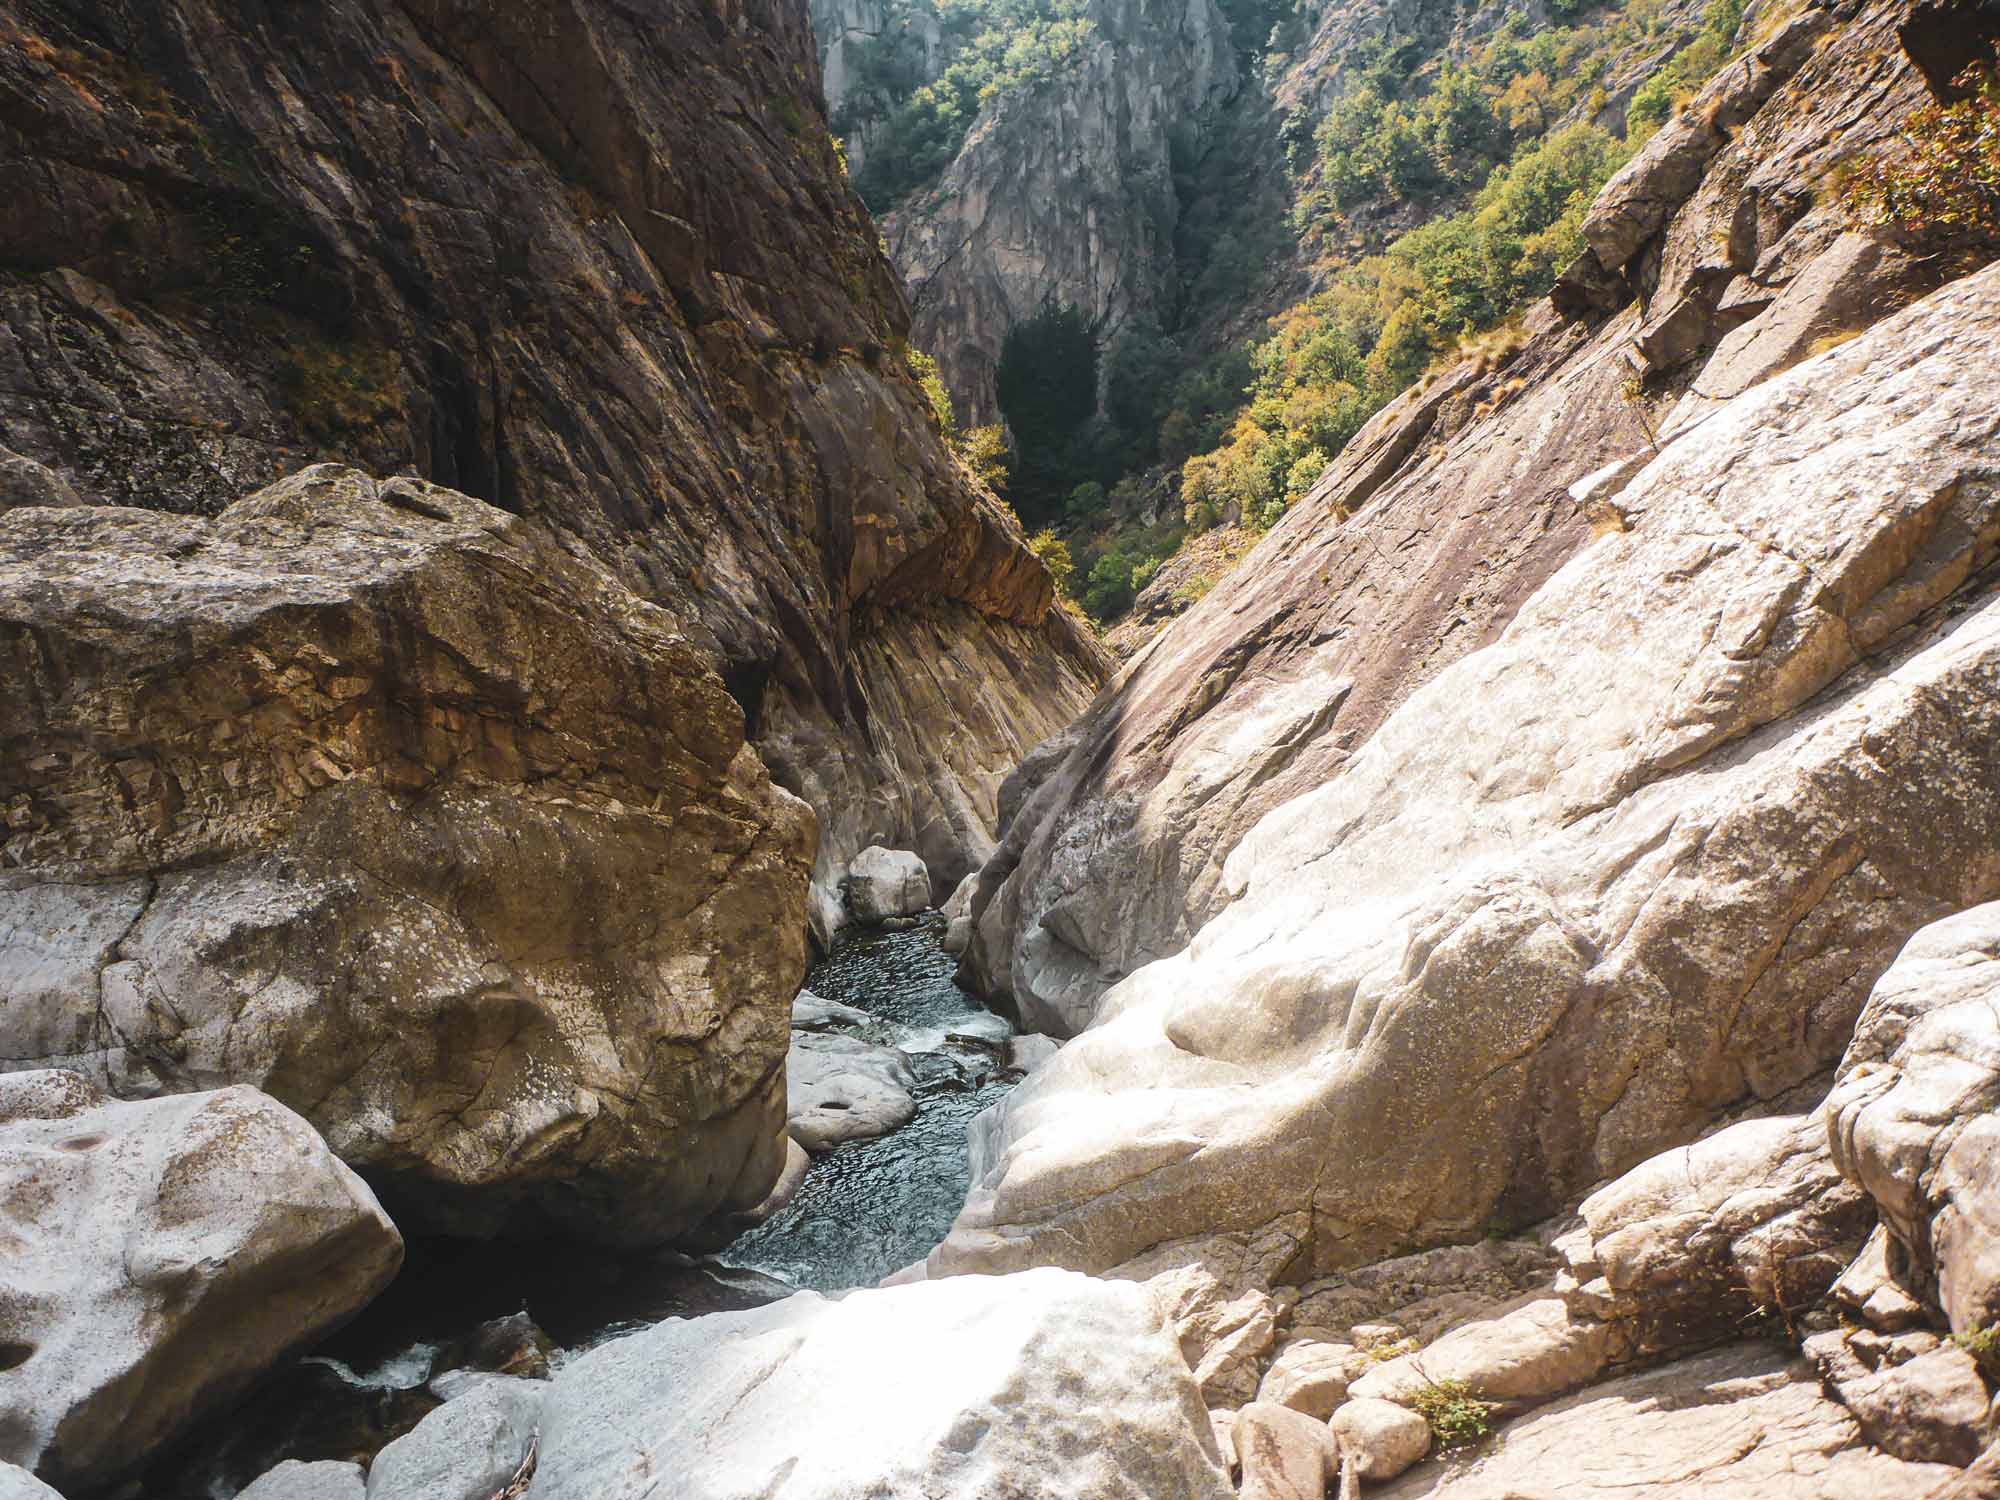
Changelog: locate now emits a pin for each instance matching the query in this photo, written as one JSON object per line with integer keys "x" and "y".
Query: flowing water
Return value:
{"x": 869, "y": 1207}
{"x": 865, "y": 1209}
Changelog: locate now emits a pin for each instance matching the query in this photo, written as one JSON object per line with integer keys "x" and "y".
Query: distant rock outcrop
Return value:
{"x": 1063, "y": 195}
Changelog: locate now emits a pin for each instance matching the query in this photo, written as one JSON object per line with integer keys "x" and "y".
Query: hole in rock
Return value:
{"x": 14, "y": 1353}
{"x": 80, "y": 1143}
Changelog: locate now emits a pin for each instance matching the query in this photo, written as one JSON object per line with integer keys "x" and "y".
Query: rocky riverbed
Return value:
{"x": 866, "y": 1207}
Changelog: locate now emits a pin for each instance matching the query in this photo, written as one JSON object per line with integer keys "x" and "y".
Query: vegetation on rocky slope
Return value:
{"x": 1441, "y": 188}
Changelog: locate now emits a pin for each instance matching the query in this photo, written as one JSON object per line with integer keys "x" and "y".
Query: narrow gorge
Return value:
{"x": 986, "y": 749}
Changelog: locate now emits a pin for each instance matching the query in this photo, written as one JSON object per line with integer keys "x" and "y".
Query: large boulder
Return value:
{"x": 1593, "y": 884}
{"x": 624, "y": 289}
{"x": 1046, "y": 1383}
{"x": 160, "y": 1256}
{"x": 380, "y": 799}
{"x": 883, "y": 883}
{"x": 1914, "y": 1119}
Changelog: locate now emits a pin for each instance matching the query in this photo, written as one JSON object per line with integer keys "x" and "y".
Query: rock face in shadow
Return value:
{"x": 161, "y": 1255}
{"x": 1420, "y": 544}
{"x": 1638, "y": 859}
{"x": 591, "y": 262}
{"x": 378, "y": 798}
{"x": 1063, "y": 195}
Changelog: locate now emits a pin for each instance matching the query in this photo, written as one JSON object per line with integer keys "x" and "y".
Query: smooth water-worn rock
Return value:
{"x": 19, "y": 1484}
{"x": 1042, "y": 1384}
{"x": 1743, "y": 1420}
{"x": 1420, "y": 544}
{"x": 1381, "y": 1438}
{"x": 379, "y": 798}
{"x": 1640, "y": 858}
{"x": 623, "y": 288}
{"x": 883, "y": 883}
{"x": 841, "y": 1088}
{"x": 1912, "y": 1119}
{"x": 161, "y": 1256}
{"x": 468, "y": 1449}
{"x": 326, "y": 1479}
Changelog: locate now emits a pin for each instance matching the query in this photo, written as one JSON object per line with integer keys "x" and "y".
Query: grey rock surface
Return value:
{"x": 1046, "y": 1383}
{"x": 468, "y": 1449}
{"x": 19, "y": 1484}
{"x": 161, "y": 1256}
{"x": 327, "y": 1479}
{"x": 840, "y": 1088}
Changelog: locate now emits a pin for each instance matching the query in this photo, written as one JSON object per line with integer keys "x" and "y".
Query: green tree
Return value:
{"x": 1110, "y": 592}
{"x": 1054, "y": 553}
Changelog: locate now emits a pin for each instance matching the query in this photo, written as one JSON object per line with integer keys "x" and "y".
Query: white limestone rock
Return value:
{"x": 159, "y": 1256}
{"x": 1041, "y": 1384}
{"x": 883, "y": 883}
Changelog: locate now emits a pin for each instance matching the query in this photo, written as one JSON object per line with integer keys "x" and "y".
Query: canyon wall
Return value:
{"x": 1530, "y": 794}
{"x": 592, "y": 268}
{"x": 1063, "y": 194}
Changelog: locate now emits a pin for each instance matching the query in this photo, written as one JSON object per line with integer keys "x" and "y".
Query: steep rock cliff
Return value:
{"x": 1063, "y": 194}
{"x": 1434, "y": 525}
{"x": 847, "y": 30}
{"x": 593, "y": 263}
{"x": 1513, "y": 855}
